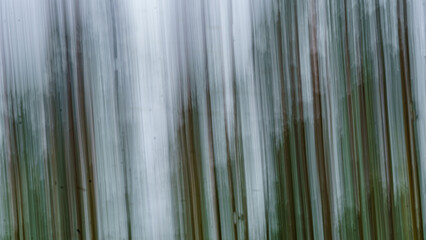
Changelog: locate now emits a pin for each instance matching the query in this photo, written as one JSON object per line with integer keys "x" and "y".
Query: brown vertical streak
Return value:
{"x": 190, "y": 191}
{"x": 286, "y": 144}
{"x": 229, "y": 171}
{"x": 72, "y": 137}
{"x": 303, "y": 166}
{"x": 410, "y": 144}
{"x": 17, "y": 186}
{"x": 228, "y": 155}
{"x": 193, "y": 167}
{"x": 186, "y": 178}
{"x": 412, "y": 127}
{"x": 297, "y": 125}
{"x": 86, "y": 141}
{"x": 382, "y": 81}
{"x": 11, "y": 146}
{"x": 300, "y": 131}
{"x": 17, "y": 175}
{"x": 14, "y": 160}
{"x": 193, "y": 181}
{"x": 195, "y": 170}
{"x": 319, "y": 145}
{"x": 190, "y": 162}
{"x": 186, "y": 155}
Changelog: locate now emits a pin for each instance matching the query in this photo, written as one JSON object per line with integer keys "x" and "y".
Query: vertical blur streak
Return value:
{"x": 212, "y": 119}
